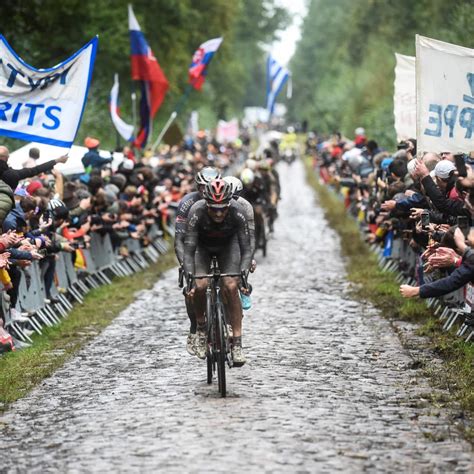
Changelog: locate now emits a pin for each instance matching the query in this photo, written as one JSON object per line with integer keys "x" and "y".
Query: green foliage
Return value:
{"x": 45, "y": 32}
{"x": 343, "y": 66}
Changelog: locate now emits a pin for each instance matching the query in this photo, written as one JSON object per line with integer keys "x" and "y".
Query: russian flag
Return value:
{"x": 145, "y": 68}
{"x": 201, "y": 59}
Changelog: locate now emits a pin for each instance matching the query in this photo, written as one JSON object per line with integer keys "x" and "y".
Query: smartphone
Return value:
{"x": 425, "y": 220}
{"x": 463, "y": 224}
{"x": 460, "y": 163}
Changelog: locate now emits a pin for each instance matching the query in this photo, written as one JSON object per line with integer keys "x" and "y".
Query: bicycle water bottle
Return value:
{"x": 246, "y": 301}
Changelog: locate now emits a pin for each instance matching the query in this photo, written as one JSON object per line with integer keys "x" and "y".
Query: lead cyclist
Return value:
{"x": 217, "y": 226}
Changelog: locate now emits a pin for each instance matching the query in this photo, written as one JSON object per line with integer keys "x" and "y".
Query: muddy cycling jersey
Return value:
{"x": 184, "y": 207}
{"x": 247, "y": 209}
{"x": 202, "y": 231}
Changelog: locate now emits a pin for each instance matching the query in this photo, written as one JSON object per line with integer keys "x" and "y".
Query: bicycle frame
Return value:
{"x": 217, "y": 331}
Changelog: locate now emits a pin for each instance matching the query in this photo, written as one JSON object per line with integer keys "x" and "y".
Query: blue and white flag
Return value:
{"x": 277, "y": 76}
{"x": 124, "y": 129}
{"x": 44, "y": 105}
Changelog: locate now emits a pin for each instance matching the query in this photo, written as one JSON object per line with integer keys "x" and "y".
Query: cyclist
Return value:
{"x": 217, "y": 226}
{"x": 255, "y": 193}
{"x": 206, "y": 175}
{"x": 237, "y": 188}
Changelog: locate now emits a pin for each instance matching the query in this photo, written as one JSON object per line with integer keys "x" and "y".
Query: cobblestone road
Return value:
{"x": 327, "y": 387}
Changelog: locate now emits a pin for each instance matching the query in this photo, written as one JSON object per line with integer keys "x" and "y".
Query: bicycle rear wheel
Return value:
{"x": 221, "y": 353}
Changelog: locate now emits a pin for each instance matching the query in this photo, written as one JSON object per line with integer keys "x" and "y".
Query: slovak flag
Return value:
{"x": 277, "y": 76}
{"x": 124, "y": 129}
{"x": 145, "y": 68}
{"x": 201, "y": 59}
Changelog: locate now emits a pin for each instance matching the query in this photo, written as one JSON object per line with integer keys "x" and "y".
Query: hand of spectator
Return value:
{"x": 67, "y": 247}
{"x": 420, "y": 171}
{"x": 388, "y": 205}
{"x": 381, "y": 183}
{"x": 45, "y": 223}
{"x": 4, "y": 259}
{"x": 62, "y": 159}
{"x": 443, "y": 257}
{"x": 23, "y": 263}
{"x": 408, "y": 291}
{"x": 96, "y": 227}
{"x": 415, "y": 213}
{"x": 26, "y": 247}
{"x": 10, "y": 239}
{"x": 253, "y": 265}
{"x": 36, "y": 255}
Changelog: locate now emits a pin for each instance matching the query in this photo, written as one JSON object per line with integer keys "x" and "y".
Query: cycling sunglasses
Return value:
{"x": 221, "y": 208}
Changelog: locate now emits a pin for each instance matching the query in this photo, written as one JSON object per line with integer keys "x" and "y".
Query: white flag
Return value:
{"x": 44, "y": 105}
{"x": 125, "y": 130}
{"x": 445, "y": 96}
{"x": 404, "y": 97}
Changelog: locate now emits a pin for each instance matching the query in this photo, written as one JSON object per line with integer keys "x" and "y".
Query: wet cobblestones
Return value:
{"x": 327, "y": 387}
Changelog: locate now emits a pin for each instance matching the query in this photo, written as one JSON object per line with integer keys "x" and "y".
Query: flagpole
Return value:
{"x": 173, "y": 116}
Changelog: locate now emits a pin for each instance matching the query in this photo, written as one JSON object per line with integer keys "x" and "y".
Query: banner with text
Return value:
{"x": 404, "y": 97}
{"x": 445, "y": 96}
{"x": 227, "y": 131}
{"x": 44, "y": 105}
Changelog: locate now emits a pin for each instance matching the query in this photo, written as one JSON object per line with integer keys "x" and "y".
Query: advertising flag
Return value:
{"x": 124, "y": 129}
{"x": 277, "y": 76}
{"x": 200, "y": 62}
{"x": 44, "y": 105}
{"x": 445, "y": 96}
{"x": 404, "y": 97}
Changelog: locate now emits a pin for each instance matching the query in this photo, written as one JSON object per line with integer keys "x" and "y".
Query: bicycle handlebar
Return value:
{"x": 191, "y": 278}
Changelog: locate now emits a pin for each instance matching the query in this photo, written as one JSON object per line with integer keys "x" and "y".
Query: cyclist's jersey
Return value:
{"x": 256, "y": 193}
{"x": 203, "y": 231}
{"x": 184, "y": 207}
{"x": 247, "y": 209}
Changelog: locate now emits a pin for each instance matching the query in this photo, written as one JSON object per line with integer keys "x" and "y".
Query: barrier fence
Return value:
{"x": 101, "y": 264}
{"x": 455, "y": 310}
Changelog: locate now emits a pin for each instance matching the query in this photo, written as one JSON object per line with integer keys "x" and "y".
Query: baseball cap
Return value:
{"x": 444, "y": 168}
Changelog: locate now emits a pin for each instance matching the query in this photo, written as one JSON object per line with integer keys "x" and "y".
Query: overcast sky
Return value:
{"x": 283, "y": 49}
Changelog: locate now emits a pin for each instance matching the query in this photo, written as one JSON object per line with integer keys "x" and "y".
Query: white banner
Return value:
{"x": 124, "y": 129}
{"x": 227, "y": 131}
{"x": 44, "y": 105}
{"x": 445, "y": 96}
{"x": 404, "y": 97}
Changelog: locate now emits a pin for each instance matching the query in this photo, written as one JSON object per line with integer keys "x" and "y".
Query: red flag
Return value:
{"x": 145, "y": 67}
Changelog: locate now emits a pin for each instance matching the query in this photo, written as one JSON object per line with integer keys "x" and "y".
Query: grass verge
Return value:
{"x": 23, "y": 370}
{"x": 456, "y": 374}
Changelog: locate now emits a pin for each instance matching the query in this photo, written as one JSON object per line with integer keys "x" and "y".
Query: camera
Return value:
{"x": 460, "y": 162}
{"x": 425, "y": 220}
{"x": 463, "y": 224}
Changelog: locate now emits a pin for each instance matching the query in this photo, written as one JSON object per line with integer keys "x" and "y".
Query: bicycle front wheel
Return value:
{"x": 221, "y": 353}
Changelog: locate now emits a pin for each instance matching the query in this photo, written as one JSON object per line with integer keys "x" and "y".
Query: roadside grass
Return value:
{"x": 370, "y": 283}
{"x": 21, "y": 371}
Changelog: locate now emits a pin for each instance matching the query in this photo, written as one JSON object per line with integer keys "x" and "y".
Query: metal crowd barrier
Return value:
{"x": 70, "y": 285}
{"x": 452, "y": 309}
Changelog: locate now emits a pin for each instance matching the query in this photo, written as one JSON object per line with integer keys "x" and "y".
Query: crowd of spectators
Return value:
{"x": 405, "y": 199}
{"x": 43, "y": 212}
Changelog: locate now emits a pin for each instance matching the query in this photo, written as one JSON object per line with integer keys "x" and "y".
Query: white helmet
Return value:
{"x": 235, "y": 184}
{"x": 247, "y": 176}
{"x": 251, "y": 163}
